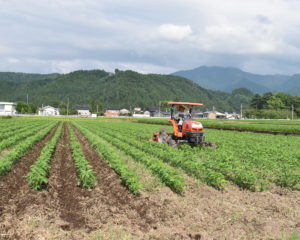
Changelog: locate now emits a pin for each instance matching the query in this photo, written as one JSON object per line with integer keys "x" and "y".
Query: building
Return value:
{"x": 83, "y": 110}
{"x": 137, "y": 109}
{"x": 154, "y": 111}
{"x": 7, "y": 108}
{"x": 147, "y": 113}
{"x": 124, "y": 111}
{"x": 49, "y": 111}
{"x": 112, "y": 113}
{"x": 213, "y": 115}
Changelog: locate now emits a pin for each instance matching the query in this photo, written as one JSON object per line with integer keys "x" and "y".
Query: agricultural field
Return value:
{"x": 281, "y": 127}
{"x": 68, "y": 178}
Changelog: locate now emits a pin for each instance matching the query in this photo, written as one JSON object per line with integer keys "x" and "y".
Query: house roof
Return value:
{"x": 153, "y": 109}
{"x": 81, "y": 107}
{"x": 43, "y": 108}
{"x": 8, "y": 103}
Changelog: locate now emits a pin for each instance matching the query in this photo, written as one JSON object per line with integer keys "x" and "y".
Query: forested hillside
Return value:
{"x": 121, "y": 89}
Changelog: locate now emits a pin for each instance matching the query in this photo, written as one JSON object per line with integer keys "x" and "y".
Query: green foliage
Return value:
{"x": 268, "y": 114}
{"x": 23, "y": 107}
{"x": 129, "y": 178}
{"x": 240, "y": 96}
{"x": 38, "y": 176}
{"x": 130, "y": 135}
{"x": 96, "y": 106}
{"x": 13, "y": 137}
{"x": 273, "y": 106}
{"x": 120, "y": 90}
{"x": 70, "y": 111}
{"x": 25, "y": 77}
{"x": 250, "y": 160}
{"x": 275, "y": 103}
{"x": 167, "y": 175}
{"x": 20, "y": 149}
{"x": 85, "y": 174}
{"x": 276, "y": 126}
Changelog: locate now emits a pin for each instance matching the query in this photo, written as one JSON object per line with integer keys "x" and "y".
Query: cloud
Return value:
{"x": 174, "y": 32}
{"x": 149, "y": 36}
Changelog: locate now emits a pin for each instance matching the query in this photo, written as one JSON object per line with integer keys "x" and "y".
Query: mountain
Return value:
{"x": 121, "y": 89}
{"x": 226, "y": 79}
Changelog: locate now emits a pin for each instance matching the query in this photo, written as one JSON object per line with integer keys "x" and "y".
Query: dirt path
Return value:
{"x": 62, "y": 186}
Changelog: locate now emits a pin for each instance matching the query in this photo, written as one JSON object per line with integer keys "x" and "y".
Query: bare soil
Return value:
{"x": 109, "y": 211}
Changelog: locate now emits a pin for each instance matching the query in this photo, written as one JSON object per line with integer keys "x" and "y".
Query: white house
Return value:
{"x": 147, "y": 113}
{"x": 48, "y": 111}
{"x": 7, "y": 108}
{"x": 137, "y": 109}
{"x": 124, "y": 111}
{"x": 83, "y": 110}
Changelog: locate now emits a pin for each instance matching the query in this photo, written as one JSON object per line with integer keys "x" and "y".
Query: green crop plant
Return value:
{"x": 38, "y": 176}
{"x": 85, "y": 174}
{"x": 169, "y": 176}
{"x": 21, "y": 148}
{"x": 128, "y": 177}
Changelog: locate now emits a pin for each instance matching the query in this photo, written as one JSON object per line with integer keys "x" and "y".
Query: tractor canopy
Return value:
{"x": 185, "y": 104}
{"x": 178, "y": 104}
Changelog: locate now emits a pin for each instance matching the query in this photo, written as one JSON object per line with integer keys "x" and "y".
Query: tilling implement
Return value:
{"x": 185, "y": 130}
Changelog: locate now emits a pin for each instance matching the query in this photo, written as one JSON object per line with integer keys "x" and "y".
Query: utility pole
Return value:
{"x": 97, "y": 109}
{"x": 241, "y": 110}
{"x": 159, "y": 109}
{"x": 27, "y": 98}
{"x": 68, "y": 107}
{"x": 292, "y": 111}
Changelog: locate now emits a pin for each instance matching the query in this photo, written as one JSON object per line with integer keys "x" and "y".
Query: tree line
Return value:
{"x": 278, "y": 105}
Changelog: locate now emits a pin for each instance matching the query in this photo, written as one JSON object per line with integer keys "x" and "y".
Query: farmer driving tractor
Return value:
{"x": 181, "y": 115}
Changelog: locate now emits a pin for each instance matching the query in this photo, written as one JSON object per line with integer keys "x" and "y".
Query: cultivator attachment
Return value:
{"x": 164, "y": 138}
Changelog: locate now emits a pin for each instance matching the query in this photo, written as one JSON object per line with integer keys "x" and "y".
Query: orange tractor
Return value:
{"x": 185, "y": 130}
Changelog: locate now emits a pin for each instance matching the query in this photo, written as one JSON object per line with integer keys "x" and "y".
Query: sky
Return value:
{"x": 149, "y": 36}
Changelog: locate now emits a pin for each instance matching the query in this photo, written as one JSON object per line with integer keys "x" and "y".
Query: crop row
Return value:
{"x": 85, "y": 174}
{"x": 169, "y": 176}
{"x": 177, "y": 159}
{"x": 21, "y": 148}
{"x": 249, "y": 160}
{"x": 23, "y": 134}
{"x": 293, "y": 128}
{"x": 38, "y": 175}
{"x": 202, "y": 170}
{"x": 11, "y": 131}
{"x": 128, "y": 177}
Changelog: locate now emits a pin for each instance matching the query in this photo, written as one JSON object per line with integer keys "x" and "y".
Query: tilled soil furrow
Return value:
{"x": 14, "y": 182}
{"x": 63, "y": 188}
{"x": 110, "y": 194}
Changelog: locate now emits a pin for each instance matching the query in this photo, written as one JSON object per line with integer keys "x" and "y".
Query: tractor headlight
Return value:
{"x": 197, "y": 125}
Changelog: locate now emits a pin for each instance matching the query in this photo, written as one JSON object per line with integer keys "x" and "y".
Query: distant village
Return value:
{"x": 9, "y": 109}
